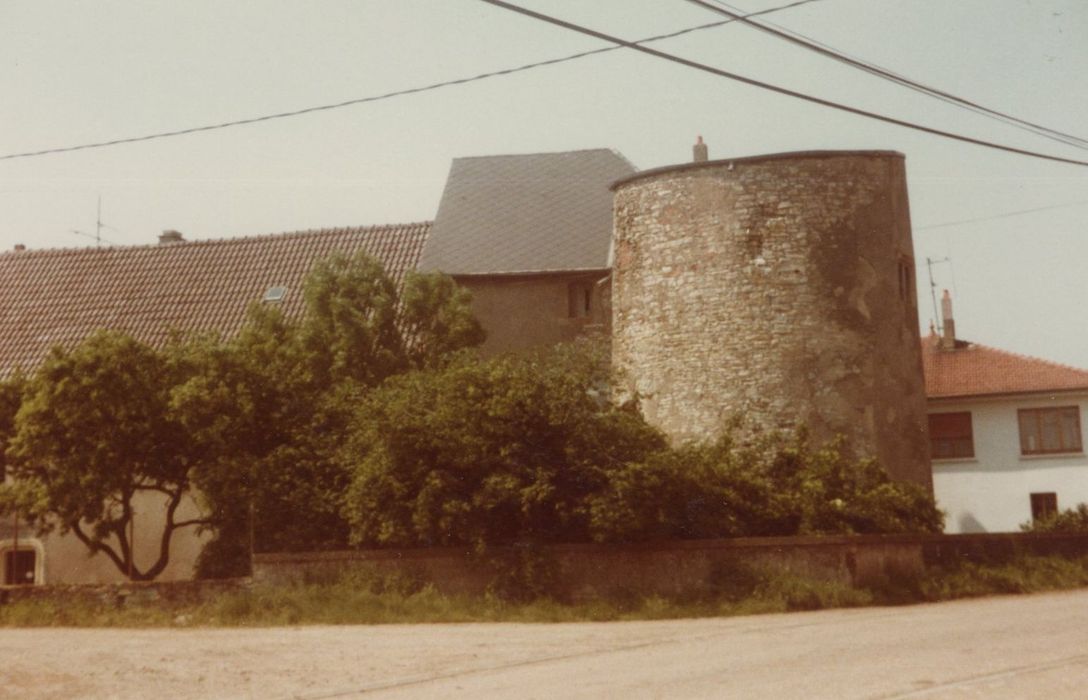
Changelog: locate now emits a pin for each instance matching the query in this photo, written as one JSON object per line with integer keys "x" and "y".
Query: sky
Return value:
{"x": 1007, "y": 233}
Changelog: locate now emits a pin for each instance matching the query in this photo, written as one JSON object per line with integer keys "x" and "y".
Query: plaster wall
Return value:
{"x": 991, "y": 491}
{"x": 63, "y": 559}
{"x": 777, "y": 289}
{"x": 519, "y": 312}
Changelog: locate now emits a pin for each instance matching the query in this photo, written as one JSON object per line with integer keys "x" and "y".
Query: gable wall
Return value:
{"x": 520, "y": 312}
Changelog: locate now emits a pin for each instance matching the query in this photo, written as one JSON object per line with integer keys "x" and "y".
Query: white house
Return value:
{"x": 1006, "y": 433}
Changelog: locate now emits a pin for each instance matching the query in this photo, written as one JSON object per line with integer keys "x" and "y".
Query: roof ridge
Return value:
{"x": 548, "y": 153}
{"x": 299, "y": 233}
{"x": 1031, "y": 358}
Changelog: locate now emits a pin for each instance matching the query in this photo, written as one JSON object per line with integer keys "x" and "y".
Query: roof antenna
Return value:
{"x": 97, "y": 236}
{"x": 933, "y": 292}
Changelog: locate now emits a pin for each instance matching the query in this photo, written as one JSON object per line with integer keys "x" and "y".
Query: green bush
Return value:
{"x": 776, "y": 485}
{"x": 484, "y": 453}
{"x": 1069, "y": 520}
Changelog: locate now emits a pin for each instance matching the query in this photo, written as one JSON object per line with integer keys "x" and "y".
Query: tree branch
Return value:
{"x": 98, "y": 546}
{"x": 164, "y": 542}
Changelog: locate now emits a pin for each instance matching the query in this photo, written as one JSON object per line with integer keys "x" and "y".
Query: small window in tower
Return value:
{"x": 906, "y": 280}
{"x": 274, "y": 294}
{"x": 579, "y": 299}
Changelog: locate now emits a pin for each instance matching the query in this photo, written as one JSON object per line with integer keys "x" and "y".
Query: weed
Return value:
{"x": 364, "y": 597}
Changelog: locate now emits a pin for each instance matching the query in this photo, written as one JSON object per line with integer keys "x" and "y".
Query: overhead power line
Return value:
{"x": 389, "y": 95}
{"x": 775, "y": 88}
{"x": 1002, "y": 215}
{"x": 827, "y": 51}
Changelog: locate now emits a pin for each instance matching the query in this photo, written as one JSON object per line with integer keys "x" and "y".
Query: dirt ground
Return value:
{"x": 1013, "y": 647}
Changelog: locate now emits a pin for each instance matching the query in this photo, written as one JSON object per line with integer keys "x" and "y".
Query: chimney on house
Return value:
{"x": 170, "y": 236}
{"x": 19, "y": 247}
{"x": 948, "y": 333}
{"x": 699, "y": 150}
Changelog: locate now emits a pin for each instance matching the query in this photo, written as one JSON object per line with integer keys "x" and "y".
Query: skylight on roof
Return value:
{"x": 274, "y": 294}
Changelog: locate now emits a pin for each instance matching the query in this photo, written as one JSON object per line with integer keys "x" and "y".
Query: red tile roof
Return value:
{"x": 977, "y": 370}
{"x": 56, "y": 297}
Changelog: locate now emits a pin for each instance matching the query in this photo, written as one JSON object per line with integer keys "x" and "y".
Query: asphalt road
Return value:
{"x": 1015, "y": 647}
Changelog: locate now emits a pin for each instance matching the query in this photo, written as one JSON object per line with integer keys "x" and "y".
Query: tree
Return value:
{"x": 11, "y": 397}
{"x": 437, "y": 319}
{"x": 492, "y": 452}
{"x": 273, "y": 404}
{"x": 349, "y": 331}
{"x": 95, "y": 430}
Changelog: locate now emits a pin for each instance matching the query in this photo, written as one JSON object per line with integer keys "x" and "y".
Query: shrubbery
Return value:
{"x": 489, "y": 452}
{"x": 527, "y": 450}
{"x": 1069, "y": 520}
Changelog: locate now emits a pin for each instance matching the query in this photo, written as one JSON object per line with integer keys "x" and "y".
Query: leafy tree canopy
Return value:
{"x": 94, "y": 430}
{"x": 274, "y": 402}
{"x": 527, "y": 450}
{"x": 483, "y": 453}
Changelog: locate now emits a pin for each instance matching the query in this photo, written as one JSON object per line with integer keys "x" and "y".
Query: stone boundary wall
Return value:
{"x": 676, "y": 567}
{"x": 585, "y": 570}
{"x": 120, "y": 594}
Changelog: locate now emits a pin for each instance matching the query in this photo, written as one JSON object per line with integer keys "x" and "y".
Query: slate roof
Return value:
{"x": 55, "y": 297}
{"x": 973, "y": 370}
{"x": 526, "y": 213}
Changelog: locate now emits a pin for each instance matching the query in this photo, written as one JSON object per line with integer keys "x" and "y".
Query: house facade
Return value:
{"x": 1006, "y": 433}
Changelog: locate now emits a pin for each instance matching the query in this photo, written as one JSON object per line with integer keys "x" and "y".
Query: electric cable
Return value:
{"x": 873, "y": 69}
{"x": 1003, "y": 215}
{"x": 389, "y": 95}
{"x": 775, "y": 88}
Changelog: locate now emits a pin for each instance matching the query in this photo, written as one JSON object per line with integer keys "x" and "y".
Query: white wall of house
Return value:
{"x": 991, "y": 492}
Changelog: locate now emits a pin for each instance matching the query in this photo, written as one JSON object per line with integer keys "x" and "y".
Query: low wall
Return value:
{"x": 678, "y": 567}
{"x": 580, "y": 571}
{"x": 999, "y": 547}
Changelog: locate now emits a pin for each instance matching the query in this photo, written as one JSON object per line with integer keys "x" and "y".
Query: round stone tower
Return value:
{"x": 778, "y": 289}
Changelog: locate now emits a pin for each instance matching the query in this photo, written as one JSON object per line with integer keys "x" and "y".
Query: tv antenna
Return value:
{"x": 930, "y": 262}
{"x": 98, "y": 225}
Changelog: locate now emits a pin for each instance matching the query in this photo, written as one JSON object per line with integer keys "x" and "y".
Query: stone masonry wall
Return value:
{"x": 778, "y": 289}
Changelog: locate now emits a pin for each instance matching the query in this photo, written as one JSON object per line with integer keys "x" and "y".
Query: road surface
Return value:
{"x": 1013, "y": 647}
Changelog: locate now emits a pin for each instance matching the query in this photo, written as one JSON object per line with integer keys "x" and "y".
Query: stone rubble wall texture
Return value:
{"x": 770, "y": 289}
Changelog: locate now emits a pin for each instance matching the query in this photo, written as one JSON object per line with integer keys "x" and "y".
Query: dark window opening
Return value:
{"x": 19, "y": 567}
{"x": 579, "y": 299}
{"x": 1043, "y": 505}
{"x": 951, "y": 436}
{"x": 906, "y": 280}
{"x": 1049, "y": 430}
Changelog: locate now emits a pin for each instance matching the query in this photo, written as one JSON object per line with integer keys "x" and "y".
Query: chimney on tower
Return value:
{"x": 948, "y": 333}
{"x": 699, "y": 150}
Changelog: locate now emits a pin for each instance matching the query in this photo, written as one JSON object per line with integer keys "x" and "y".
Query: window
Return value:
{"x": 906, "y": 280}
{"x": 1049, "y": 430}
{"x": 950, "y": 435}
{"x": 1043, "y": 505}
{"x": 579, "y": 299}
{"x": 274, "y": 294}
{"x": 19, "y": 566}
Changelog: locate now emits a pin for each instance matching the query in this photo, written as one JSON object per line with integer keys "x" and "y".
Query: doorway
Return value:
{"x": 20, "y": 567}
